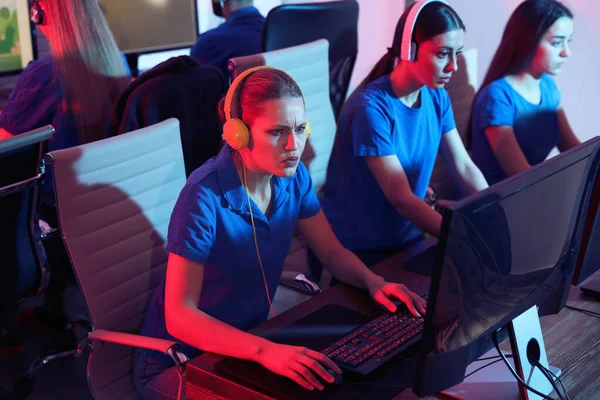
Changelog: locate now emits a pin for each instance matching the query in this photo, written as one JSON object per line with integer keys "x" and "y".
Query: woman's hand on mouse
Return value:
{"x": 298, "y": 363}
{"x": 384, "y": 292}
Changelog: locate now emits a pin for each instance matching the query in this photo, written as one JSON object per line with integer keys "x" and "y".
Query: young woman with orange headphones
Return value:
{"x": 229, "y": 234}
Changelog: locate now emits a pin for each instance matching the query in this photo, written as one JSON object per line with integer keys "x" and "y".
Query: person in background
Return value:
{"x": 517, "y": 118}
{"x": 240, "y": 34}
{"x": 389, "y": 134}
{"x": 73, "y": 90}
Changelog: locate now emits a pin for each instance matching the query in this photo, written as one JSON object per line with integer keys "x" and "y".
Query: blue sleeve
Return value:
{"x": 33, "y": 102}
{"x": 193, "y": 224}
{"x": 448, "y": 122}
{"x": 493, "y": 107}
{"x": 371, "y": 131}
{"x": 309, "y": 204}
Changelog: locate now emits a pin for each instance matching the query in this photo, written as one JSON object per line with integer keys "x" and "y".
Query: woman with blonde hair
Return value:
{"x": 73, "y": 90}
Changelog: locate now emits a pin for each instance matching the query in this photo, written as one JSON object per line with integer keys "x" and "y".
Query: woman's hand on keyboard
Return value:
{"x": 385, "y": 292}
{"x": 299, "y": 364}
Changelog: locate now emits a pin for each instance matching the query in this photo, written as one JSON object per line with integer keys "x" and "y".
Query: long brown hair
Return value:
{"x": 522, "y": 35}
{"x": 88, "y": 62}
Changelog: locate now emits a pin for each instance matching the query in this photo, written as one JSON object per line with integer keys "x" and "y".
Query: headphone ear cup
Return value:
{"x": 235, "y": 133}
{"x": 308, "y": 129}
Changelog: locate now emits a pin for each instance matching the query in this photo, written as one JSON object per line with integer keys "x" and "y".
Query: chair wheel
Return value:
{"x": 23, "y": 386}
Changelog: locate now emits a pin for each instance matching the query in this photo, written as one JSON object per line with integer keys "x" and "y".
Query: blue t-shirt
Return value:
{"x": 211, "y": 224}
{"x": 375, "y": 122}
{"x": 240, "y": 35}
{"x": 535, "y": 125}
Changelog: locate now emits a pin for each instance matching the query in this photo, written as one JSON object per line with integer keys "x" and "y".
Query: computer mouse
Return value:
{"x": 337, "y": 378}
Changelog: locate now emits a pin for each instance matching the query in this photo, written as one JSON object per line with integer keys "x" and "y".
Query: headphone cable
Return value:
{"x": 262, "y": 269}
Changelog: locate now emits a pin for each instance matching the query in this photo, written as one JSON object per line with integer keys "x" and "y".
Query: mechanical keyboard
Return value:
{"x": 372, "y": 344}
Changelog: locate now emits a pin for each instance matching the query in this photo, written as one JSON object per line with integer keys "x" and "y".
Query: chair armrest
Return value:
{"x": 300, "y": 283}
{"x": 167, "y": 347}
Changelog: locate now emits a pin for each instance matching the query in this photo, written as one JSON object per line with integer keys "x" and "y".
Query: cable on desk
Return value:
{"x": 496, "y": 358}
{"x": 512, "y": 370}
{"x": 552, "y": 379}
{"x": 583, "y": 310}
{"x": 482, "y": 367}
{"x": 493, "y": 357}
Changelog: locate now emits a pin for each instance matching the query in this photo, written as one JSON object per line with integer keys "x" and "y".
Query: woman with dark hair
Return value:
{"x": 388, "y": 138}
{"x": 230, "y": 233}
{"x": 517, "y": 119}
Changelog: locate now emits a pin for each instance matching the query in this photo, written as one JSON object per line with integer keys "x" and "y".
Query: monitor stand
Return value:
{"x": 496, "y": 381}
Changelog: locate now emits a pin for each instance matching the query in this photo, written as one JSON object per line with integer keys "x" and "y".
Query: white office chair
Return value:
{"x": 115, "y": 199}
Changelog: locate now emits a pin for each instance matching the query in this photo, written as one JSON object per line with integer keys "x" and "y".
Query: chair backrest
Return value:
{"x": 115, "y": 199}
{"x": 177, "y": 88}
{"x": 308, "y": 65}
{"x": 461, "y": 89}
{"x": 337, "y": 21}
{"x": 24, "y": 263}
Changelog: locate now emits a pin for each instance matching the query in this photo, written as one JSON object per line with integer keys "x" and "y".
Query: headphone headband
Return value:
{"x": 234, "y": 86}
{"x": 406, "y": 45}
{"x": 235, "y": 131}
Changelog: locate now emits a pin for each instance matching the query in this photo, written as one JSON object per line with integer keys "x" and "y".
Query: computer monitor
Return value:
{"x": 146, "y": 26}
{"x": 17, "y": 37}
{"x": 588, "y": 260}
{"x": 502, "y": 252}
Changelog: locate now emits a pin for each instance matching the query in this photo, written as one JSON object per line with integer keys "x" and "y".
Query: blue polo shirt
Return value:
{"x": 211, "y": 224}
{"x": 535, "y": 125}
{"x": 375, "y": 122}
{"x": 240, "y": 35}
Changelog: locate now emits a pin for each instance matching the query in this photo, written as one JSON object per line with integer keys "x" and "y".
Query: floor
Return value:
{"x": 59, "y": 379}
{"x": 65, "y": 379}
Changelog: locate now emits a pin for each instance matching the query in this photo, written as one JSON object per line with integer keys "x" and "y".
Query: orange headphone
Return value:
{"x": 235, "y": 131}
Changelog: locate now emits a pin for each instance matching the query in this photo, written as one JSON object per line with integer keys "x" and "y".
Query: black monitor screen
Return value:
{"x": 144, "y": 26}
{"x": 505, "y": 250}
{"x": 16, "y": 38}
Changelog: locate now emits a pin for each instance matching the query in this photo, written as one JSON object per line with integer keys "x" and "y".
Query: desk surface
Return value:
{"x": 572, "y": 338}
